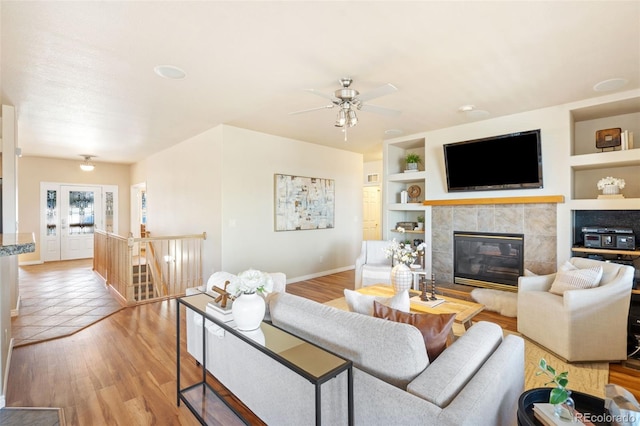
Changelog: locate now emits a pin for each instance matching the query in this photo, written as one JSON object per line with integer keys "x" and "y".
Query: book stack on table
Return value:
{"x": 545, "y": 413}
{"x": 223, "y": 314}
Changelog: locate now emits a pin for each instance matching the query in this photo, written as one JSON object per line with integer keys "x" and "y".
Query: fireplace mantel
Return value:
{"x": 496, "y": 200}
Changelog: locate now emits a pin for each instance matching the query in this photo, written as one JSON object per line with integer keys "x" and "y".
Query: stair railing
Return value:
{"x": 148, "y": 268}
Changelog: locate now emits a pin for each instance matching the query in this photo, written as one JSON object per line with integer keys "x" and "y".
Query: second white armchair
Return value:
{"x": 581, "y": 324}
{"x": 372, "y": 267}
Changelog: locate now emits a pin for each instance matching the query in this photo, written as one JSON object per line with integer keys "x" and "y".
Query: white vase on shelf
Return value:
{"x": 248, "y": 311}
{"x": 401, "y": 277}
{"x": 611, "y": 190}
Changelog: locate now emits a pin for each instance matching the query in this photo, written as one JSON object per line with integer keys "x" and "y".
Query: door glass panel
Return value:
{"x": 108, "y": 211}
{"x": 52, "y": 212}
{"x": 81, "y": 212}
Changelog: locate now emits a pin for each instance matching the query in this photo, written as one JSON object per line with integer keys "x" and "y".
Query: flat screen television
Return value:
{"x": 512, "y": 161}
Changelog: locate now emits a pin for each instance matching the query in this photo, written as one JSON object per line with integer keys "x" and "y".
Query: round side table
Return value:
{"x": 585, "y": 403}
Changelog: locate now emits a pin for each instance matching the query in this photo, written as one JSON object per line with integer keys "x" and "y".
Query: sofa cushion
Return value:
{"x": 450, "y": 373}
{"x": 435, "y": 328}
{"x": 390, "y": 351}
{"x": 363, "y": 303}
{"x": 572, "y": 279}
{"x": 218, "y": 279}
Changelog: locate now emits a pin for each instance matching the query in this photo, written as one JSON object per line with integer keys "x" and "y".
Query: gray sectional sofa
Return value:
{"x": 475, "y": 381}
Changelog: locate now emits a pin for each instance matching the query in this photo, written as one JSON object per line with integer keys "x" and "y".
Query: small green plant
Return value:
{"x": 559, "y": 394}
{"x": 420, "y": 219}
{"x": 413, "y": 158}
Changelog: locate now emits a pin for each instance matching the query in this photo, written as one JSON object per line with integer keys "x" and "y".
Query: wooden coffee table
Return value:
{"x": 464, "y": 310}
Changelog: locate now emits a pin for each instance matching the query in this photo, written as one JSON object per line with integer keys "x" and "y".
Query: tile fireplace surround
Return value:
{"x": 536, "y": 221}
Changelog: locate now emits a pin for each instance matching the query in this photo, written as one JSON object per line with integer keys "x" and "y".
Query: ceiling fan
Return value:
{"x": 349, "y": 100}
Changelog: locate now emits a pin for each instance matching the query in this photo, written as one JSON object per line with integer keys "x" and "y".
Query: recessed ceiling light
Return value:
{"x": 170, "y": 71}
{"x": 609, "y": 85}
{"x": 393, "y": 132}
{"x": 472, "y": 113}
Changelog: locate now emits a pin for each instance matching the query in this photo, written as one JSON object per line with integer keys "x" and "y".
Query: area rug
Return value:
{"x": 588, "y": 377}
{"x": 503, "y": 302}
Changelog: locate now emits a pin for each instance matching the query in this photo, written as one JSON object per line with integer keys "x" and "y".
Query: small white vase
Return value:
{"x": 248, "y": 311}
{"x": 611, "y": 189}
{"x": 401, "y": 278}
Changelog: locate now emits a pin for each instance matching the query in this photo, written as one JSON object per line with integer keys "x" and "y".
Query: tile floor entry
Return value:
{"x": 58, "y": 299}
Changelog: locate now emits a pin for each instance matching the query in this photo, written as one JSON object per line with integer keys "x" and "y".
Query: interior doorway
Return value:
{"x": 371, "y": 213}
{"x": 70, "y": 214}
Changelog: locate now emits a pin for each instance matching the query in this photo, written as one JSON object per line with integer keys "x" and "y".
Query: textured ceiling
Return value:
{"x": 81, "y": 73}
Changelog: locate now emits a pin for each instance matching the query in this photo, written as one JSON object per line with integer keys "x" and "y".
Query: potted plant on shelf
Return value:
{"x": 420, "y": 223}
{"x": 560, "y": 396}
{"x": 412, "y": 161}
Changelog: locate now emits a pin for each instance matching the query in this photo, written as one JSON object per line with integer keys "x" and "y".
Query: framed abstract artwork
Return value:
{"x": 303, "y": 203}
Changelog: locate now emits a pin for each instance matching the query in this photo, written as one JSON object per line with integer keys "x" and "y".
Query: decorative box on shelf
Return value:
{"x": 220, "y": 313}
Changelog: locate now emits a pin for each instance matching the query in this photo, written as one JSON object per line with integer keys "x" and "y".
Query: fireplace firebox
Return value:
{"x": 490, "y": 260}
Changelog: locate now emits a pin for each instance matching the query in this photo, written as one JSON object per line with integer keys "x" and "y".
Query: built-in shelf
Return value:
{"x": 496, "y": 200}
{"x": 407, "y": 177}
{"x": 421, "y": 231}
{"x": 600, "y": 160}
{"x": 606, "y": 251}
{"x": 606, "y": 204}
{"x": 406, "y": 206}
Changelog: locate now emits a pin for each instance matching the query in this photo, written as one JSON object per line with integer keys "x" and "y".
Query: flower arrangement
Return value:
{"x": 402, "y": 252}
{"x": 250, "y": 281}
{"x": 620, "y": 183}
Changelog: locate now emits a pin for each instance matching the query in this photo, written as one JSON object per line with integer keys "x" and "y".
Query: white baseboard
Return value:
{"x": 5, "y": 379}
{"x": 16, "y": 311}
{"x": 319, "y": 274}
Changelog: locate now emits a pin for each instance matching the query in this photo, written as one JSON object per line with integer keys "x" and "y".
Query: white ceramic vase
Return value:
{"x": 248, "y": 311}
{"x": 611, "y": 189}
{"x": 401, "y": 277}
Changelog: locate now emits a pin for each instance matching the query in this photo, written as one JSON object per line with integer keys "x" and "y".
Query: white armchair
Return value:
{"x": 372, "y": 267}
{"x": 582, "y": 324}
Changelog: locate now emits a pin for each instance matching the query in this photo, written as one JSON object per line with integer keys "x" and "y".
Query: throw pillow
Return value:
{"x": 363, "y": 303}
{"x": 435, "y": 328}
{"x": 575, "y": 279}
{"x": 218, "y": 279}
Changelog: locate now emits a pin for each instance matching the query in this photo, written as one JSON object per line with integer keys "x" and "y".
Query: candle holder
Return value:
{"x": 422, "y": 284}
{"x": 433, "y": 287}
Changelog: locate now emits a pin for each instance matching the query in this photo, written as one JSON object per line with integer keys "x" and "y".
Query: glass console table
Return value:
{"x": 304, "y": 358}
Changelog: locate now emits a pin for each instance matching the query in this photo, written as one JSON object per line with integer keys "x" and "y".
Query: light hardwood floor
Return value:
{"x": 122, "y": 370}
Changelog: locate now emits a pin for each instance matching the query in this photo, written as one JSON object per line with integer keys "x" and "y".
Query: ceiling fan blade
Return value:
{"x": 312, "y": 109}
{"x": 380, "y": 110}
{"x": 321, "y": 94}
{"x": 377, "y": 92}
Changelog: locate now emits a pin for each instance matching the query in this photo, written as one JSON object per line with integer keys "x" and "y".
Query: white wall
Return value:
{"x": 555, "y": 137}
{"x": 34, "y": 170}
{"x": 221, "y": 182}
{"x": 556, "y": 126}
{"x": 184, "y": 192}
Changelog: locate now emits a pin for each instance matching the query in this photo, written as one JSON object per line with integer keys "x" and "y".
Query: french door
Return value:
{"x": 70, "y": 215}
{"x": 80, "y": 212}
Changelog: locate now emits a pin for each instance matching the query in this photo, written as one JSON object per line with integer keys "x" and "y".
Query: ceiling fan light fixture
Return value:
{"x": 87, "y": 165}
{"x": 353, "y": 118}
{"x": 341, "y": 120}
